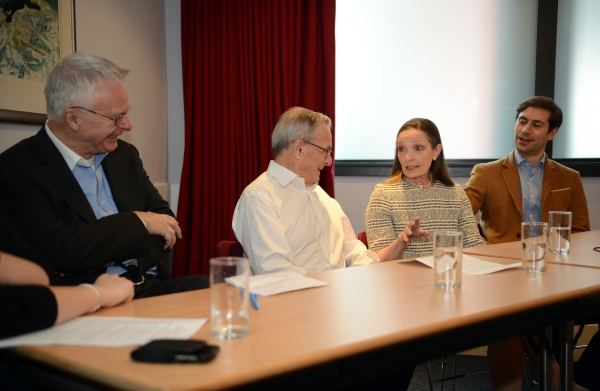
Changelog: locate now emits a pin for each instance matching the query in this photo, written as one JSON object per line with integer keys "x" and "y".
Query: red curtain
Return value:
{"x": 244, "y": 64}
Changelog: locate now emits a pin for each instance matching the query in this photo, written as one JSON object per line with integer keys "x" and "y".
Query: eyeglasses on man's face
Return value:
{"x": 327, "y": 151}
{"x": 117, "y": 120}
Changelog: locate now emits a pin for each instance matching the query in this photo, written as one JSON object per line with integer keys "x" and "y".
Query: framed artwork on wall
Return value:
{"x": 34, "y": 36}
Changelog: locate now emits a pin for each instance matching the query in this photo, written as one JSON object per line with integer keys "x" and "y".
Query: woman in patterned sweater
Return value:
{"x": 418, "y": 198}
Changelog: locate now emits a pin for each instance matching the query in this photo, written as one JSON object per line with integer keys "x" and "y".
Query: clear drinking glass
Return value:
{"x": 559, "y": 235}
{"x": 533, "y": 241}
{"x": 447, "y": 259}
{"x": 229, "y": 303}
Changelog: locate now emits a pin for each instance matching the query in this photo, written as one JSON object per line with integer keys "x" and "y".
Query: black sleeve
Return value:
{"x": 26, "y": 308}
{"x": 141, "y": 195}
{"x": 11, "y": 242}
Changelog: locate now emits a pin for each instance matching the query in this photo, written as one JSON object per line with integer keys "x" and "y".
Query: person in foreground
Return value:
{"x": 79, "y": 196}
{"x": 29, "y": 303}
{"x": 419, "y": 197}
{"x": 524, "y": 186}
{"x": 284, "y": 220}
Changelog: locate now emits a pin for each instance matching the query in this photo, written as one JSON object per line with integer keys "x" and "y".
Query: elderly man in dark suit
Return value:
{"x": 80, "y": 196}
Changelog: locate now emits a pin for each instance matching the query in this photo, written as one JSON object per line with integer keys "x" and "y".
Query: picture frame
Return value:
{"x": 22, "y": 99}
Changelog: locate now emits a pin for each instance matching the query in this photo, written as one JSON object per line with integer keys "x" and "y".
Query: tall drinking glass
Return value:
{"x": 447, "y": 259}
{"x": 559, "y": 237}
{"x": 533, "y": 241}
{"x": 228, "y": 302}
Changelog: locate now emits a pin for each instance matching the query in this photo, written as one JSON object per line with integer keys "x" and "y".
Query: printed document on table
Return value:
{"x": 109, "y": 331}
{"x": 473, "y": 265}
{"x": 278, "y": 282}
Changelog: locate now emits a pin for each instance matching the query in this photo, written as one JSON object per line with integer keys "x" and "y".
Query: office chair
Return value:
{"x": 454, "y": 376}
{"x": 229, "y": 248}
{"x": 362, "y": 236}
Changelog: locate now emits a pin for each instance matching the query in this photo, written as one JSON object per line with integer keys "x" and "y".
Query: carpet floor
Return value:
{"x": 464, "y": 364}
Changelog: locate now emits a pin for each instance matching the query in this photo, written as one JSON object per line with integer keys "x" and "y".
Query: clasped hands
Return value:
{"x": 412, "y": 231}
{"x": 163, "y": 225}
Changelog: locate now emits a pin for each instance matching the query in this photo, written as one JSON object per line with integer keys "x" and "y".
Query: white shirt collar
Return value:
{"x": 285, "y": 176}
{"x": 67, "y": 153}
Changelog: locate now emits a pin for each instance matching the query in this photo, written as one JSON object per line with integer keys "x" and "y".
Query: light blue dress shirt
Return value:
{"x": 90, "y": 175}
{"x": 532, "y": 179}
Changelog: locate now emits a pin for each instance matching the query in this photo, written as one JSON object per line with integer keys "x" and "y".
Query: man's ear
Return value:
{"x": 552, "y": 134}
{"x": 72, "y": 119}
{"x": 297, "y": 148}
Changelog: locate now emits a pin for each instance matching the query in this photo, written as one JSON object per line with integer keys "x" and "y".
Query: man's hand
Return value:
{"x": 163, "y": 225}
{"x": 113, "y": 290}
{"x": 413, "y": 230}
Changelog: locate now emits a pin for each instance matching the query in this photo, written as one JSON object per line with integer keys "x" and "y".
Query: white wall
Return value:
{"x": 176, "y": 120}
{"x": 577, "y": 89}
{"x": 353, "y": 194}
{"x": 132, "y": 34}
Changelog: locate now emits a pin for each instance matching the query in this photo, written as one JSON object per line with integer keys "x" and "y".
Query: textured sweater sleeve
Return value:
{"x": 378, "y": 220}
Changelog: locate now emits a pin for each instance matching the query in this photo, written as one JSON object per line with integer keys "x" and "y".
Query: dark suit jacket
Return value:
{"x": 495, "y": 190}
{"x": 11, "y": 242}
{"x": 42, "y": 199}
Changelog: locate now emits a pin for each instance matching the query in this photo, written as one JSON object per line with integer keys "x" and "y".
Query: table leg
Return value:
{"x": 566, "y": 353}
{"x": 544, "y": 362}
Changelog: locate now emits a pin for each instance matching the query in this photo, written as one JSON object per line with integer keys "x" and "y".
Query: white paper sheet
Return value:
{"x": 109, "y": 331}
{"x": 278, "y": 282}
{"x": 473, "y": 265}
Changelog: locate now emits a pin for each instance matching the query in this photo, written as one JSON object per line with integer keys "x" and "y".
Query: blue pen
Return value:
{"x": 254, "y": 300}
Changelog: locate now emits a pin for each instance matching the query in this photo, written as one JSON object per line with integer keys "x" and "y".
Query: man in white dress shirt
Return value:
{"x": 284, "y": 220}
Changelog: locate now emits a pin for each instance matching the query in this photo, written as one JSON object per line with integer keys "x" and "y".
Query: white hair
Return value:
{"x": 75, "y": 77}
{"x": 296, "y": 123}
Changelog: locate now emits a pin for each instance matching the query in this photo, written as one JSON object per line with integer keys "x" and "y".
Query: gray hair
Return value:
{"x": 75, "y": 77}
{"x": 297, "y": 123}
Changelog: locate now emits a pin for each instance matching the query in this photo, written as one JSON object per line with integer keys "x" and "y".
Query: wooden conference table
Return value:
{"x": 581, "y": 251}
{"x": 370, "y": 321}
{"x": 584, "y": 252}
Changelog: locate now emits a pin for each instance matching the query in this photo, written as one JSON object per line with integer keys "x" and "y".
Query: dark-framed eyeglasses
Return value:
{"x": 327, "y": 151}
{"x": 116, "y": 119}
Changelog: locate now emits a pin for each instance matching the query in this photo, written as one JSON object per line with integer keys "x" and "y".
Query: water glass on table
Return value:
{"x": 229, "y": 303}
{"x": 559, "y": 236}
{"x": 533, "y": 242}
{"x": 447, "y": 259}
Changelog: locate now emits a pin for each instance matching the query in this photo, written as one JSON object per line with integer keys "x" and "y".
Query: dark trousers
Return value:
{"x": 585, "y": 370}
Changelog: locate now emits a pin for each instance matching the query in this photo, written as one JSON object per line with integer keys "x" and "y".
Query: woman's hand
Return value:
{"x": 413, "y": 231}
